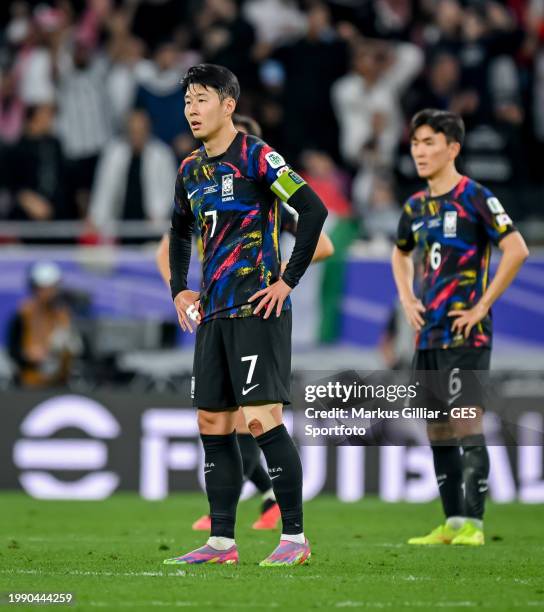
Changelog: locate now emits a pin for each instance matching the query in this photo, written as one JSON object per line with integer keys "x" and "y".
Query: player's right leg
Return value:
{"x": 222, "y": 460}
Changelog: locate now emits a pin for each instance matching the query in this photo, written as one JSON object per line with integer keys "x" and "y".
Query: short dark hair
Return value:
{"x": 248, "y": 123}
{"x": 444, "y": 122}
{"x": 211, "y": 75}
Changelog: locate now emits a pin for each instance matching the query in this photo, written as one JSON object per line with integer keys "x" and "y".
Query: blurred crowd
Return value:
{"x": 91, "y": 111}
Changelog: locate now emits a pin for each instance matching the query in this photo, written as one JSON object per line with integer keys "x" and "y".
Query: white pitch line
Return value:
{"x": 427, "y": 604}
{"x": 79, "y": 538}
{"x": 181, "y": 604}
{"x": 87, "y": 573}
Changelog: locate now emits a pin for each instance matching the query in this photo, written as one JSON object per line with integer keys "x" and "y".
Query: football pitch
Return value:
{"x": 109, "y": 555}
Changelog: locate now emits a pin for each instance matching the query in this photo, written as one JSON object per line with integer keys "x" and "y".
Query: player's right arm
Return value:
{"x": 403, "y": 271}
{"x": 181, "y": 235}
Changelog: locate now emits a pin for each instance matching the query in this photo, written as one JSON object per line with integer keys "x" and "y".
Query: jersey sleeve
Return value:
{"x": 269, "y": 167}
{"x": 494, "y": 218}
{"x": 181, "y": 204}
{"x": 183, "y": 221}
{"x": 405, "y": 237}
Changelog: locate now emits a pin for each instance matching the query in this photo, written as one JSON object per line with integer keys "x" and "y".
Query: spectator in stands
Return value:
{"x": 488, "y": 33}
{"x": 276, "y": 22}
{"x": 155, "y": 21}
{"x": 135, "y": 177}
{"x": 41, "y": 340}
{"x": 438, "y": 88}
{"x": 367, "y": 100}
{"x": 328, "y": 181}
{"x": 127, "y": 66}
{"x": 37, "y": 170}
{"x": 11, "y": 109}
{"x": 37, "y": 55}
{"x": 227, "y": 39}
{"x": 310, "y": 66}
{"x": 442, "y": 34}
{"x": 159, "y": 94}
{"x": 85, "y": 118}
{"x": 376, "y": 205}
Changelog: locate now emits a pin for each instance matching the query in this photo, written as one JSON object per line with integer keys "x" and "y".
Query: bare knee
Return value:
{"x": 468, "y": 425}
{"x": 263, "y": 418}
{"x": 215, "y": 423}
{"x": 440, "y": 431}
{"x": 255, "y": 427}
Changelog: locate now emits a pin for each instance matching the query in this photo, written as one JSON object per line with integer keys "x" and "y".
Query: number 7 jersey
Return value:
{"x": 234, "y": 201}
{"x": 454, "y": 232}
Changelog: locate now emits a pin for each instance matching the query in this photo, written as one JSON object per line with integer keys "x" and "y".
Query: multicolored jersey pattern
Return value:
{"x": 454, "y": 232}
{"x": 234, "y": 200}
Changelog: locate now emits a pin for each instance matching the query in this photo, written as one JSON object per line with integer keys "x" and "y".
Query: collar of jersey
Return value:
{"x": 216, "y": 157}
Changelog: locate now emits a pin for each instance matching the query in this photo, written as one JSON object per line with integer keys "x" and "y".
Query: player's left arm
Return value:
{"x": 293, "y": 189}
{"x": 502, "y": 232}
{"x": 324, "y": 248}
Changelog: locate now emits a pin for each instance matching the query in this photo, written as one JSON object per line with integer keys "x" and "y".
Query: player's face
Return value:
{"x": 205, "y": 112}
{"x": 431, "y": 151}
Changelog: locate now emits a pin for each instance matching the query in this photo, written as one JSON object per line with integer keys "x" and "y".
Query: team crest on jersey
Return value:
{"x": 227, "y": 185}
{"x": 450, "y": 224}
{"x": 274, "y": 159}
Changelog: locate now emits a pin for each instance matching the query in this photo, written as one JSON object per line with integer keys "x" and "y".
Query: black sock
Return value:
{"x": 249, "y": 449}
{"x": 261, "y": 479}
{"x": 449, "y": 476}
{"x": 475, "y": 474}
{"x": 285, "y": 470}
{"x": 223, "y": 474}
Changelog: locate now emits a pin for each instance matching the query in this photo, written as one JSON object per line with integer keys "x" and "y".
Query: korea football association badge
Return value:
{"x": 450, "y": 224}
{"x": 227, "y": 186}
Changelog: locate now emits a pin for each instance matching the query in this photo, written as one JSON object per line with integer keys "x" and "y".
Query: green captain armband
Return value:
{"x": 287, "y": 183}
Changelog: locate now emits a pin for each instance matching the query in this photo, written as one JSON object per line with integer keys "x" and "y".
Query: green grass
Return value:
{"x": 109, "y": 555}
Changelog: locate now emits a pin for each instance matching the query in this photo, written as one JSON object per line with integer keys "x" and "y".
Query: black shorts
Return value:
{"x": 242, "y": 361}
{"x": 451, "y": 378}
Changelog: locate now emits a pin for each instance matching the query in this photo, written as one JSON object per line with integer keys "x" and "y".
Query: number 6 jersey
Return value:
{"x": 454, "y": 232}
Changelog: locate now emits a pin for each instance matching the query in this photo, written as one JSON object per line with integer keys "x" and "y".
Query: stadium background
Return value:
{"x": 333, "y": 85}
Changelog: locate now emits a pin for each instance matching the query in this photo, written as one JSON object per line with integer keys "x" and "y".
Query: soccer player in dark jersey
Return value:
{"x": 454, "y": 222}
{"x": 252, "y": 468}
{"x": 231, "y": 189}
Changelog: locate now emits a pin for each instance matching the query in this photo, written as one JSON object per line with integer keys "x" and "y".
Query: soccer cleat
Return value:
{"x": 288, "y": 553}
{"x": 206, "y": 554}
{"x": 443, "y": 534}
{"x": 469, "y": 535}
{"x": 204, "y": 523}
{"x": 269, "y": 518}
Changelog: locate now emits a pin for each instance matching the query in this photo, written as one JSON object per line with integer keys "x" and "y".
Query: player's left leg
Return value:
{"x": 255, "y": 472}
{"x": 466, "y": 384}
{"x": 285, "y": 469}
{"x": 260, "y": 370}
{"x": 445, "y": 450}
{"x": 475, "y": 462}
